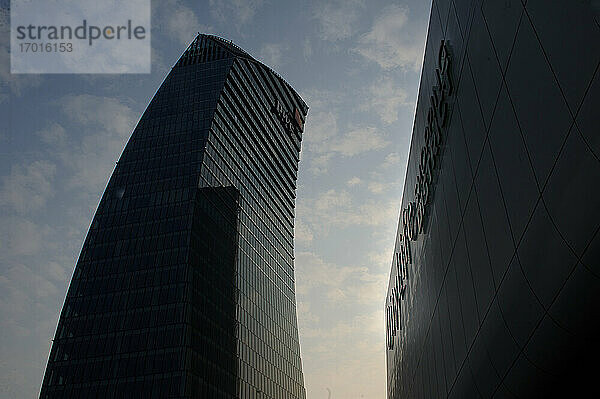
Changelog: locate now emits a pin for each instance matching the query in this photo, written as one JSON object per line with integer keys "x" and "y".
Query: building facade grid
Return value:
{"x": 185, "y": 284}
{"x": 499, "y": 298}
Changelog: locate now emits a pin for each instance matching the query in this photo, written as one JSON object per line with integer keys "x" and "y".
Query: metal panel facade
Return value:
{"x": 494, "y": 281}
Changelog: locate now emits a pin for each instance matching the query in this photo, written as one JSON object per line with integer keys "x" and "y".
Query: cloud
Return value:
{"x": 353, "y": 182}
{"x": 330, "y": 132}
{"x": 307, "y": 49}
{"x": 353, "y": 327}
{"x": 38, "y": 248}
{"x": 103, "y": 125}
{"x": 338, "y": 283}
{"x": 305, "y": 314}
{"x": 56, "y": 271}
{"x": 392, "y": 159}
{"x": 28, "y": 186}
{"x": 106, "y": 112}
{"x": 241, "y": 11}
{"x": 337, "y": 18}
{"x": 325, "y": 141}
{"x": 390, "y": 43}
{"x": 302, "y": 233}
{"x": 322, "y": 127}
{"x": 338, "y": 209}
{"x": 377, "y": 187}
{"x": 53, "y": 134}
{"x": 272, "y": 54}
{"x": 179, "y": 21}
{"x": 331, "y": 200}
{"x": 322, "y": 99}
{"x": 383, "y": 255}
{"x": 22, "y": 237}
{"x": 344, "y": 364}
{"x": 33, "y": 284}
{"x": 340, "y": 321}
{"x": 358, "y": 141}
{"x": 319, "y": 163}
{"x": 385, "y": 97}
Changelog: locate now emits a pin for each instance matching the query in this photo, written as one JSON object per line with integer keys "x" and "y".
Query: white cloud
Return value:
{"x": 321, "y": 127}
{"x": 330, "y": 133}
{"x": 337, "y": 209}
{"x": 183, "y": 25}
{"x": 354, "y": 326}
{"x": 109, "y": 113}
{"x": 319, "y": 163}
{"x": 272, "y": 54}
{"x": 325, "y": 140}
{"x": 341, "y": 323}
{"x": 390, "y": 44}
{"x": 38, "y": 252}
{"x": 337, "y": 18}
{"x": 305, "y": 314}
{"x": 22, "y": 237}
{"x": 104, "y": 124}
{"x": 33, "y": 285}
{"x": 355, "y": 181}
{"x": 345, "y": 363}
{"x": 337, "y": 283}
{"x": 377, "y": 187}
{"x": 53, "y": 134}
{"x": 57, "y": 272}
{"x": 302, "y": 233}
{"x": 383, "y": 256}
{"x": 321, "y": 99}
{"x": 179, "y": 21}
{"x": 385, "y": 97}
{"x": 391, "y": 159}
{"x": 358, "y": 141}
{"x": 307, "y": 49}
{"x": 28, "y": 186}
{"x": 241, "y": 11}
{"x": 332, "y": 200}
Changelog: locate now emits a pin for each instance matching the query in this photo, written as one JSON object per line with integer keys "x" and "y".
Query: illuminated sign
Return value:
{"x": 414, "y": 215}
{"x": 286, "y": 119}
{"x": 299, "y": 119}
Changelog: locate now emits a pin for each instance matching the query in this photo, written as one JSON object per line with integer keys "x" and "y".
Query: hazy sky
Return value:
{"x": 357, "y": 65}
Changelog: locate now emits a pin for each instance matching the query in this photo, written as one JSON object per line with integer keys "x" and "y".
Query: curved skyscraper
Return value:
{"x": 185, "y": 284}
{"x": 494, "y": 284}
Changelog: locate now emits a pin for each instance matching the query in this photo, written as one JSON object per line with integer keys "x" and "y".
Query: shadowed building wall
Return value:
{"x": 184, "y": 287}
{"x": 494, "y": 281}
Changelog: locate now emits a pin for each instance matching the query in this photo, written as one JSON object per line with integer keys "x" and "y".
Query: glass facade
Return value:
{"x": 494, "y": 280}
{"x": 185, "y": 284}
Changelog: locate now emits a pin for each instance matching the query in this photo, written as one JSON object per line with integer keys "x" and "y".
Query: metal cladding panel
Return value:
{"x": 491, "y": 291}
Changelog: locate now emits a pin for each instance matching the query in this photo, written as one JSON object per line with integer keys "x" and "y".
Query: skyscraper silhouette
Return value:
{"x": 184, "y": 287}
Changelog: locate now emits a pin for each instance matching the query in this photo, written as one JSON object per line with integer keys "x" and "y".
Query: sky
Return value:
{"x": 357, "y": 65}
